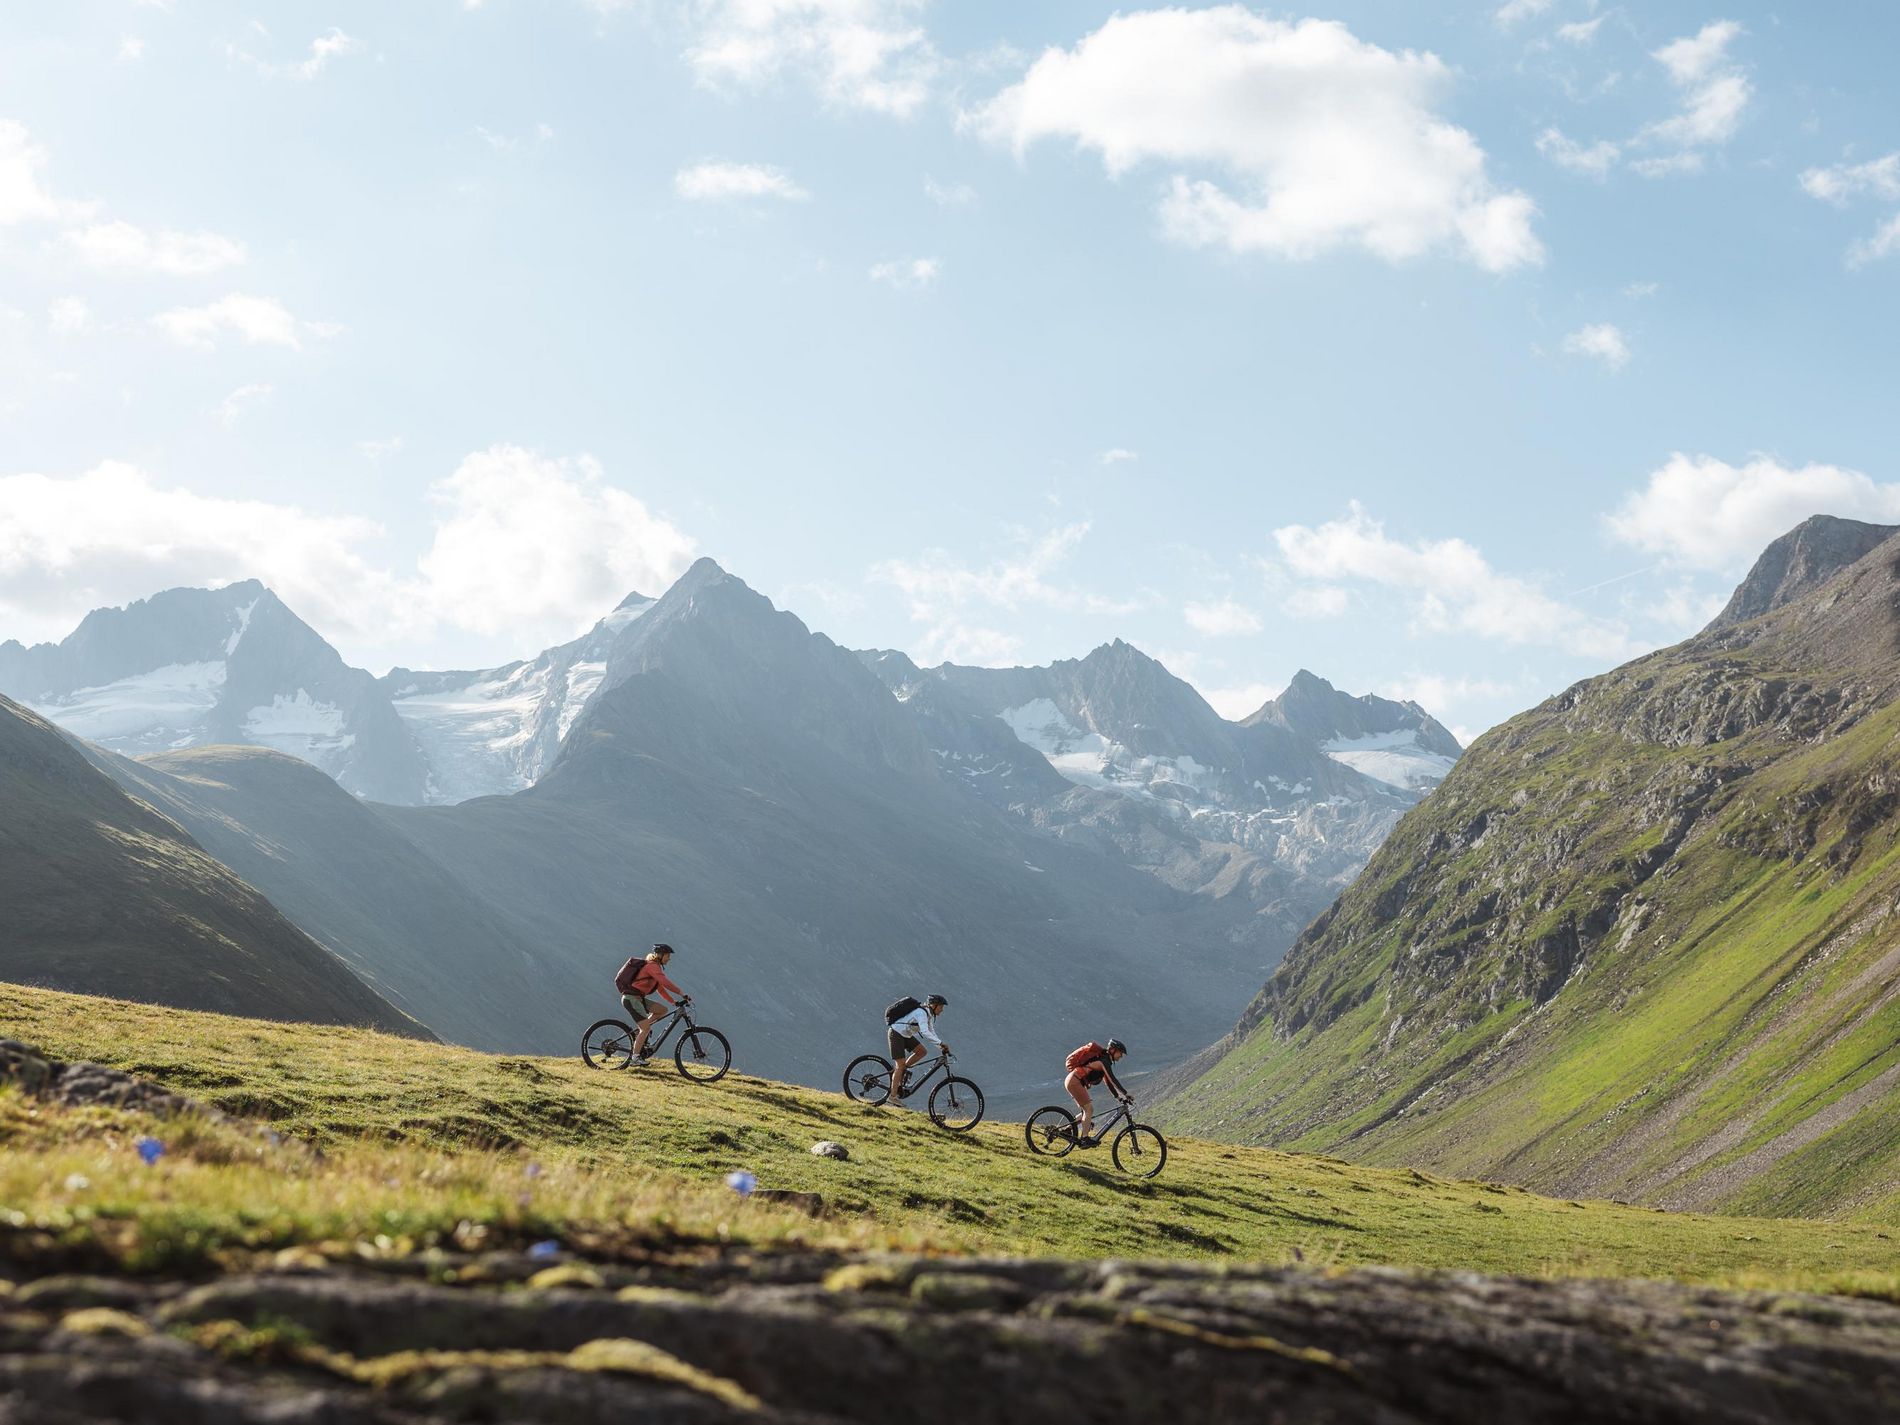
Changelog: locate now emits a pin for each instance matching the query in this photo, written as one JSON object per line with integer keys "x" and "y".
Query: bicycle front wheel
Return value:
{"x": 1140, "y": 1151}
{"x": 956, "y": 1104}
{"x": 703, "y": 1055}
{"x": 867, "y": 1079}
{"x": 1050, "y": 1131}
{"x": 608, "y": 1045}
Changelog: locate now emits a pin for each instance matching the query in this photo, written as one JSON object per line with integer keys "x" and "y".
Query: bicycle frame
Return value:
{"x": 663, "y": 1031}
{"x": 1104, "y": 1123}
{"x": 913, "y": 1080}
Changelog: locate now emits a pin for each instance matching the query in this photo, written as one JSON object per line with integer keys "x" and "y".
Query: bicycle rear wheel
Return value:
{"x": 1140, "y": 1151}
{"x": 867, "y": 1079}
{"x": 608, "y": 1045}
{"x": 703, "y": 1055}
{"x": 1050, "y": 1132}
{"x": 956, "y": 1104}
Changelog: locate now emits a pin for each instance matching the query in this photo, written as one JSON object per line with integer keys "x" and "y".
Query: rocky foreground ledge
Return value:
{"x": 733, "y": 1336}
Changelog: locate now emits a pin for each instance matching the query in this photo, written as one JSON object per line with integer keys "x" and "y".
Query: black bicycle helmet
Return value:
{"x": 1115, "y": 1046}
{"x": 664, "y": 950}
{"x": 938, "y": 1000}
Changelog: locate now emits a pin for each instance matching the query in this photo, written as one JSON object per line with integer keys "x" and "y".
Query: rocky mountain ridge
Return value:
{"x": 1635, "y": 945}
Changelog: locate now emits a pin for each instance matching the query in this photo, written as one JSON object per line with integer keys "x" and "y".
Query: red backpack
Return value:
{"x": 1087, "y": 1054}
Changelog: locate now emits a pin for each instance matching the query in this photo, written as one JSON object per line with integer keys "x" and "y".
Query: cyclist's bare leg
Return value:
{"x": 1079, "y": 1091}
{"x": 645, "y": 1028}
{"x": 903, "y": 1067}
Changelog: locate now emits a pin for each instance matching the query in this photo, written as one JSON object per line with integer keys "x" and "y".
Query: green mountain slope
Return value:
{"x": 100, "y": 892}
{"x": 1641, "y": 942}
{"x": 406, "y": 924}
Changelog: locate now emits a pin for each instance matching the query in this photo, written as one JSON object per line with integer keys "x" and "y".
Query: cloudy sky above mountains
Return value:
{"x": 1453, "y": 355}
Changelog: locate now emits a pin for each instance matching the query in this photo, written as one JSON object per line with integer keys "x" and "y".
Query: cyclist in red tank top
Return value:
{"x": 1090, "y": 1065}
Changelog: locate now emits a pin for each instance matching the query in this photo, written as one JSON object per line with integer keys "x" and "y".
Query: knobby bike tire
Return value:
{"x": 1050, "y": 1132}
{"x": 867, "y": 1079}
{"x": 612, "y": 1051}
{"x": 1140, "y": 1151}
{"x": 947, "y": 1112}
{"x": 703, "y": 1055}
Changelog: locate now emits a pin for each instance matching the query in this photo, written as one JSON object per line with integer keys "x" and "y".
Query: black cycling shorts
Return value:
{"x": 901, "y": 1044}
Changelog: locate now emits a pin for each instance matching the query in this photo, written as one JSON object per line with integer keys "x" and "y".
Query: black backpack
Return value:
{"x": 909, "y": 1004}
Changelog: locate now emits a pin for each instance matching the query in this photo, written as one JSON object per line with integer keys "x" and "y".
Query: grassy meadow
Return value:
{"x": 375, "y": 1145}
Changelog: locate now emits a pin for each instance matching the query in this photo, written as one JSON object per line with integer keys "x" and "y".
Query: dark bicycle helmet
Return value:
{"x": 1115, "y": 1046}
{"x": 937, "y": 1000}
{"x": 664, "y": 950}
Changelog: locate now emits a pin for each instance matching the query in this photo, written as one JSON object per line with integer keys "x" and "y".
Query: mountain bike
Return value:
{"x": 1139, "y": 1151}
{"x": 703, "y": 1054}
{"x": 955, "y": 1104}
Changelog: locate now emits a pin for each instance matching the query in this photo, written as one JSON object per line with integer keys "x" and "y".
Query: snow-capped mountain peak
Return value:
{"x": 189, "y": 667}
{"x": 496, "y": 730}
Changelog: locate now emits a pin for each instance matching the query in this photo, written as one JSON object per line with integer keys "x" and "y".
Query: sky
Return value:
{"x": 1451, "y": 352}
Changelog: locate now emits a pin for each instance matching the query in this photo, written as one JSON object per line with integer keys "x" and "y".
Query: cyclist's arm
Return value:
{"x": 1108, "y": 1072}
{"x": 662, "y": 984}
{"x": 925, "y": 1028}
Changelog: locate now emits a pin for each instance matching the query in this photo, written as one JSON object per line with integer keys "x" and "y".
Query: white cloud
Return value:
{"x": 1118, "y": 456}
{"x": 860, "y": 54}
{"x": 951, "y": 640}
{"x": 234, "y": 405}
{"x": 124, "y": 247}
{"x": 1685, "y": 607}
{"x": 540, "y": 547}
{"x": 1602, "y": 341}
{"x": 1514, "y": 10}
{"x": 324, "y": 50}
{"x": 1327, "y": 141}
{"x": 527, "y": 550}
{"x": 1715, "y": 94}
{"x": 1580, "y": 32}
{"x": 1454, "y": 586}
{"x": 1596, "y": 160}
{"x": 131, "y": 48}
{"x": 23, "y": 197}
{"x": 68, "y": 316}
{"x": 909, "y": 272}
{"x": 260, "y": 321}
{"x": 377, "y": 451}
{"x": 1222, "y": 619}
{"x": 1239, "y": 702}
{"x": 1438, "y": 693}
{"x": 508, "y": 144}
{"x": 705, "y": 182}
{"x": 1642, "y": 289}
{"x": 1884, "y": 243}
{"x": 111, "y": 535}
{"x": 938, "y": 588}
{"x": 949, "y": 195}
{"x": 1316, "y": 601}
{"x": 1879, "y": 178}
{"x": 1704, "y": 513}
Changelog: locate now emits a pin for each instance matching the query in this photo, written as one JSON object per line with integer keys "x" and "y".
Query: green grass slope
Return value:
{"x": 424, "y": 1143}
{"x": 99, "y": 892}
{"x": 1641, "y": 943}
